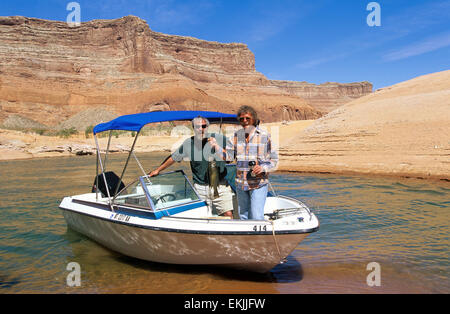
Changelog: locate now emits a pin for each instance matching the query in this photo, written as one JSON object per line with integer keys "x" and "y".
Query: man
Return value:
{"x": 252, "y": 149}
{"x": 199, "y": 153}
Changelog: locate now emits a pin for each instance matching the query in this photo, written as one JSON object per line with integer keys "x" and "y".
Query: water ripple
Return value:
{"x": 401, "y": 224}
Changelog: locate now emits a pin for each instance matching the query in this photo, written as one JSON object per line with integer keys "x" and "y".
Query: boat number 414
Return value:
{"x": 259, "y": 228}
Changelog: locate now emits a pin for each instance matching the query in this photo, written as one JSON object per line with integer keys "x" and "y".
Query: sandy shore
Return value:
{"x": 18, "y": 145}
{"x": 326, "y": 155}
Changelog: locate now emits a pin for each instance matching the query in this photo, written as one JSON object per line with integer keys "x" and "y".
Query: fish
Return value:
{"x": 213, "y": 172}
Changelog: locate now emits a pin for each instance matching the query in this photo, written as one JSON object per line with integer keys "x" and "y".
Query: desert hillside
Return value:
{"x": 402, "y": 130}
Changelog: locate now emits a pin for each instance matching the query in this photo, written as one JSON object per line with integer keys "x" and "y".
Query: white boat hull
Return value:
{"x": 249, "y": 245}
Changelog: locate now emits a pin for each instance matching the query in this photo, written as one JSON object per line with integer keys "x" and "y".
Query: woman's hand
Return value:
{"x": 257, "y": 170}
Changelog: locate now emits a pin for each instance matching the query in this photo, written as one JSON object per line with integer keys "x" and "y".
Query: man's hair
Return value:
{"x": 250, "y": 110}
{"x": 199, "y": 119}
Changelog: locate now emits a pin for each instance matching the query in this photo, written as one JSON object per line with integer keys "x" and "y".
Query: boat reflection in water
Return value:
{"x": 162, "y": 219}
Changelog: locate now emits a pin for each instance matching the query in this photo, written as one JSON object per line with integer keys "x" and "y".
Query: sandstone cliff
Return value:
{"x": 50, "y": 72}
{"x": 328, "y": 96}
{"x": 402, "y": 130}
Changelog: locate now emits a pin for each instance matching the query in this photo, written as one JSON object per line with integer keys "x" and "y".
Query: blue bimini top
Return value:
{"x": 135, "y": 122}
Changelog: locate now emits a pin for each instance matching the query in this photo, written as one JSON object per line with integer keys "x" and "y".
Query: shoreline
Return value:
{"x": 16, "y": 145}
{"x": 402, "y": 176}
{"x": 311, "y": 171}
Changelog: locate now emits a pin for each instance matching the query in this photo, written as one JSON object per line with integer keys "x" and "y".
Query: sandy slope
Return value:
{"x": 402, "y": 130}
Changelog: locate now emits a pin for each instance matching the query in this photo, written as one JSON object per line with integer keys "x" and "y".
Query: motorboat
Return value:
{"x": 162, "y": 219}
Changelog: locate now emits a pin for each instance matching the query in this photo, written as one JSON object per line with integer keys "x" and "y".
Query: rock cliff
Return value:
{"x": 50, "y": 72}
{"x": 327, "y": 96}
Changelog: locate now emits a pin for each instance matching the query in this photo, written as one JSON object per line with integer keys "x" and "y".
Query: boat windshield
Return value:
{"x": 163, "y": 191}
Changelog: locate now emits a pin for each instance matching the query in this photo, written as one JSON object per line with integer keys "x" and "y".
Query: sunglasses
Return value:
{"x": 203, "y": 126}
{"x": 244, "y": 118}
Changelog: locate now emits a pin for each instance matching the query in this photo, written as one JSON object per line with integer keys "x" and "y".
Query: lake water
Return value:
{"x": 400, "y": 224}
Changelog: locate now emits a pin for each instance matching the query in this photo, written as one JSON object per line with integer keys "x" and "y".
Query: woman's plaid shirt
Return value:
{"x": 259, "y": 149}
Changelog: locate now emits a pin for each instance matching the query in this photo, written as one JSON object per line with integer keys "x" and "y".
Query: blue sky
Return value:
{"x": 300, "y": 40}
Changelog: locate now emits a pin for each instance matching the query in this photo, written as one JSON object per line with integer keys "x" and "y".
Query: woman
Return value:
{"x": 251, "y": 147}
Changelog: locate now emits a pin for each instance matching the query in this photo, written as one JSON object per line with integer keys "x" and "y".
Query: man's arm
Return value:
{"x": 176, "y": 156}
{"x": 166, "y": 163}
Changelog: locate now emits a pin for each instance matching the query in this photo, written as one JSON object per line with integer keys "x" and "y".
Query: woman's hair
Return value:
{"x": 250, "y": 110}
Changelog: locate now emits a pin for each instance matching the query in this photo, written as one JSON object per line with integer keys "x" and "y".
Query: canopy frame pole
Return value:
{"x": 107, "y": 148}
{"x": 103, "y": 172}
{"x": 126, "y": 163}
{"x": 142, "y": 168}
{"x": 96, "y": 176}
{"x": 273, "y": 190}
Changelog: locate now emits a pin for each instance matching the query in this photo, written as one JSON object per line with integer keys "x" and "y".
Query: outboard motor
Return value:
{"x": 112, "y": 179}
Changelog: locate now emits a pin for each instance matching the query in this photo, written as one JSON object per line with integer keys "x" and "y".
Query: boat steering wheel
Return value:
{"x": 162, "y": 198}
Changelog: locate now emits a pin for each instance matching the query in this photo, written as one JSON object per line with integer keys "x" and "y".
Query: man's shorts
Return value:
{"x": 217, "y": 206}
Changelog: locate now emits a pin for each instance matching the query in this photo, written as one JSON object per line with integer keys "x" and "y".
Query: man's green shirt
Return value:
{"x": 198, "y": 152}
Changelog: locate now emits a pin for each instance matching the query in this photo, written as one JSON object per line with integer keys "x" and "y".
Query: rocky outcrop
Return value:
{"x": 50, "y": 72}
